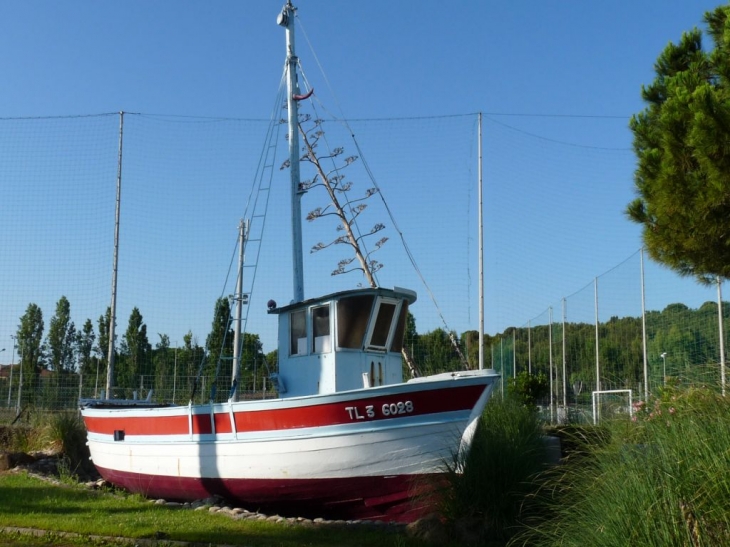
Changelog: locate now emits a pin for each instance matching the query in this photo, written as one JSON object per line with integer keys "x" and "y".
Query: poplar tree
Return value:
{"x": 62, "y": 338}
{"x": 682, "y": 144}
{"x": 253, "y": 361}
{"x": 102, "y": 347}
{"x": 163, "y": 360}
{"x": 136, "y": 350}
{"x": 84, "y": 348}
{"x": 30, "y": 348}
{"x": 219, "y": 342}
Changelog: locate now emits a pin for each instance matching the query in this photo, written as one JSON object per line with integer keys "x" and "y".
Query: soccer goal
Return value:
{"x": 611, "y": 402}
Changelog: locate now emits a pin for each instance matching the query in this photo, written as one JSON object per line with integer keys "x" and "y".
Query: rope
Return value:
{"x": 220, "y": 353}
{"x": 343, "y": 120}
{"x": 250, "y": 207}
{"x": 336, "y": 169}
{"x": 324, "y": 108}
{"x": 411, "y": 258}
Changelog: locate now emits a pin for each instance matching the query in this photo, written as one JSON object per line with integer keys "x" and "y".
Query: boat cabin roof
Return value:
{"x": 396, "y": 292}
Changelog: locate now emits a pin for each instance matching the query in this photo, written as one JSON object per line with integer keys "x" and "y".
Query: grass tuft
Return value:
{"x": 66, "y": 433}
{"x": 25, "y": 439}
{"x": 486, "y": 488}
{"x": 659, "y": 481}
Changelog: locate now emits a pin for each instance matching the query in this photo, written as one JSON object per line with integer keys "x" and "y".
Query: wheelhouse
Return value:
{"x": 343, "y": 341}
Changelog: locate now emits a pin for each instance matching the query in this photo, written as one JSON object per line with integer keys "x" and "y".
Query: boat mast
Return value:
{"x": 238, "y": 298}
{"x": 481, "y": 251}
{"x": 286, "y": 19}
{"x": 115, "y": 267}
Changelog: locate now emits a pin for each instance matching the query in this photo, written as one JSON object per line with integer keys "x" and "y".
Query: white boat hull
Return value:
{"x": 356, "y": 454}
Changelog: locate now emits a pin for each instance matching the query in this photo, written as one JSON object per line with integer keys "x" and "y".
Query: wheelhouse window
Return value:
{"x": 400, "y": 329}
{"x": 297, "y": 333}
{"x": 353, "y": 314}
{"x": 321, "y": 329}
{"x": 383, "y": 325}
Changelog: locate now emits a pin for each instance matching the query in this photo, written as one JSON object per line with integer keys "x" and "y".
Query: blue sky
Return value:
{"x": 556, "y": 81}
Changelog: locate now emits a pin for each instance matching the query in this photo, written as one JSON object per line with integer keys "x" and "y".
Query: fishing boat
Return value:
{"x": 345, "y": 436}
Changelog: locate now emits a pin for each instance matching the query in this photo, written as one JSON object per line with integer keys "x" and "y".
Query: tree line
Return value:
{"x": 681, "y": 343}
{"x": 66, "y": 350}
{"x": 138, "y": 364}
{"x": 688, "y": 338}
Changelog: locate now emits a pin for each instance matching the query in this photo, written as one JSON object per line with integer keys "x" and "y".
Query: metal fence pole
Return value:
{"x": 20, "y": 386}
{"x": 722, "y": 334}
{"x": 12, "y": 364}
{"x": 550, "y": 358}
{"x": 643, "y": 328}
{"x": 565, "y": 382}
{"x": 598, "y": 364}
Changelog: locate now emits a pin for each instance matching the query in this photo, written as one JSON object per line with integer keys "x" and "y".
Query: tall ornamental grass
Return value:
{"x": 487, "y": 487}
{"x": 661, "y": 480}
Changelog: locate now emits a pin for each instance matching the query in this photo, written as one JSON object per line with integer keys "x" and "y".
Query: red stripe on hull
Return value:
{"x": 342, "y": 412}
{"x": 400, "y": 498}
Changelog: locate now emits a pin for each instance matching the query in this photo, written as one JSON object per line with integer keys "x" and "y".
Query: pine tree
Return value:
{"x": 682, "y": 142}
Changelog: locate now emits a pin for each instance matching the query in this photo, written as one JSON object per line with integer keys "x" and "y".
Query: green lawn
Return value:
{"x": 29, "y": 502}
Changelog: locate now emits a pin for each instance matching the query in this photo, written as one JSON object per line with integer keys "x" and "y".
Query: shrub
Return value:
{"x": 528, "y": 388}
